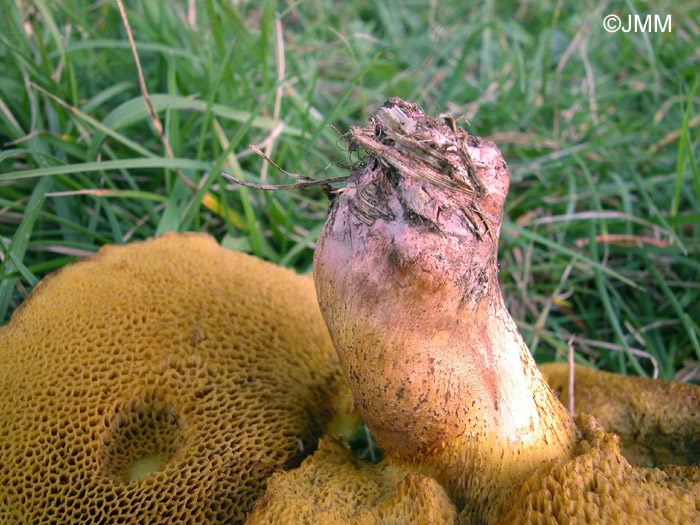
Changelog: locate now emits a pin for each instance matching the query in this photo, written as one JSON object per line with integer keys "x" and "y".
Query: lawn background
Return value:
{"x": 599, "y": 247}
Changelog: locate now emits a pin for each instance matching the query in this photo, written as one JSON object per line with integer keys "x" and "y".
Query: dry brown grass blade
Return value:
{"x": 296, "y": 185}
{"x": 279, "y": 125}
{"x": 572, "y": 392}
{"x": 625, "y": 240}
{"x": 146, "y": 99}
{"x": 209, "y": 200}
{"x": 672, "y": 136}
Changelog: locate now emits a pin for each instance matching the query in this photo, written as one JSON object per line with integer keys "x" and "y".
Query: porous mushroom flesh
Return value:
{"x": 598, "y": 485}
{"x": 406, "y": 276}
{"x": 160, "y": 382}
{"x": 658, "y": 421}
{"x": 333, "y": 488}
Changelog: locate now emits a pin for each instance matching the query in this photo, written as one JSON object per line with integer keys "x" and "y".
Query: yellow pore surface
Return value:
{"x": 598, "y": 485}
{"x": 658, "y": 421}
{"x": 160, "y": 382}
{"x": 333, "y": 488}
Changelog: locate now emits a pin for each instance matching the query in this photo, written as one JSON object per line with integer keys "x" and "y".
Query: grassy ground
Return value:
{"x": 600, "y": 244}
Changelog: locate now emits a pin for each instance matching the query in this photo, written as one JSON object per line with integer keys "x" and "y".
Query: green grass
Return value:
{"x": 601, "y": 236}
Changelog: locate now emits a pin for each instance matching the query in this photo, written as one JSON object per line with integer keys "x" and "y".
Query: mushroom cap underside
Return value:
{"x": 658, "y": 421}
{"x": 333, "y": 488}
{"x": 161, "y": 381}
{"x": 597, "y": 485}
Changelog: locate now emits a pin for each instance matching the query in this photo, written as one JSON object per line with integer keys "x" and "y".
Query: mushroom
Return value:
{"x": 406, "y": 276}
{"x": 598, "y": 485}
{"x": 160, "y": 382}
{"x": 332, "y": 487}
{"x": 658, "y": 421}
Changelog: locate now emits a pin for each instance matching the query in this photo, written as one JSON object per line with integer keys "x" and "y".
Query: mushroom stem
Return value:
{"x": 407, "y": 280}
